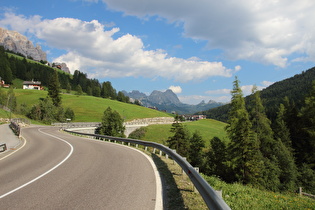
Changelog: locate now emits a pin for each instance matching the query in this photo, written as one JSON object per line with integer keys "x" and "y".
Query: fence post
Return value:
{"x": 300, "y": 191}
{"x": 194, "y": 188}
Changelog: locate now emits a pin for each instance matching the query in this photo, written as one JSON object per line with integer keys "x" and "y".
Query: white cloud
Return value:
{"x": 196, "y": 99}
{"x": 224, "y": 95}
{"x": 218, "y": 92}
{"x": 262, "y": 31}
{"x": 266, "y": 83}
{"x": 175, "y": 89}
{"x": 91, "y": 48}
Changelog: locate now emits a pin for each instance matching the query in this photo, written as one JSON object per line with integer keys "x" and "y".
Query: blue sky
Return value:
{"x": 196, "y": 48}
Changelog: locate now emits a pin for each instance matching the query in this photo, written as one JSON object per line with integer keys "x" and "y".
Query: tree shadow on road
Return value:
{"x": 172, "y": 198}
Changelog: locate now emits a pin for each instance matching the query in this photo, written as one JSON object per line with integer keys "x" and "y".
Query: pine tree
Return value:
{"x": 307, "y": 115}
{"x": 180, "y": 140}
{"x": 261, "y": 126}
{"x": 196, "y": 144}
{"x": 79, "y": 90}
{"x": 244, "y": 150}
{"x": 284, "y": 151}
{"x": 54, "y": 89}
{"x": 5, "y": 69}
{"x": 216, "y": 160}
{"x": 281, "y": 130}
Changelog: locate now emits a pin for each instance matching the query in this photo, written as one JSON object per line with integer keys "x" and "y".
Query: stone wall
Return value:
{"x": 151, "y": 121}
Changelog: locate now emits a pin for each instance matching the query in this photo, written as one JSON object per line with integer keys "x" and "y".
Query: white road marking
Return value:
{"x": 47, "y": 172}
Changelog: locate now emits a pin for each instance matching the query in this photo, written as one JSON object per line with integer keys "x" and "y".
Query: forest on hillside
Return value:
{"x": 276, "y": 155}
{"x": 294, "y": 88}
{"x": 16, "y": 67}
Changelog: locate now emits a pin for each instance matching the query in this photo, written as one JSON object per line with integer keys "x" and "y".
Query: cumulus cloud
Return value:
{"x": 175, "y": 89}
{"x": 219, "y": 91}
{"x": 224, "y": 95}
{"x": 196, "y": 99}
{"x": 91, "y": 48}
{"x": 262, "y": 31}
{"x": 266, "y": 83}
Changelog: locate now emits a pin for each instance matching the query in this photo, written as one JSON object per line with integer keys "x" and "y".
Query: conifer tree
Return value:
{"x": 196, "y": 144}
{"x": 180, "y": 140}
{"x": 281, "y": 130}
{"x": 261, "y": 126}
{"x": 244, "y": 150}
{"x": 216, "y": 160}
{"x": 307, "y": 115}
{"x": 5, "y": 69}
{"x": 54, "y": 89}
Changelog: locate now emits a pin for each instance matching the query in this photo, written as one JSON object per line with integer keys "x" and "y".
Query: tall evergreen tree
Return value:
{"x": 281, "y": 130}
{"x": 307, "y": 115}
{"x": 5, "y": 69}
{"x": 261, "y": 126}
{"x": 244, "y": 150}
{"x": 216, "y": 160}
{"x": 54, "y": 89}
{"x": 196, "y": 144}
{"x": 180, "y": 140}
{"x": 284, "y": 151}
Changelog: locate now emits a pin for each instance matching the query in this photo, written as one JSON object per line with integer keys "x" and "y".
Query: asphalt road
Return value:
{"x": 55, "y": 170}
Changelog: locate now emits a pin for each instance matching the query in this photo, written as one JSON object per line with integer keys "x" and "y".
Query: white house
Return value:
{"x": 36, "y": 85}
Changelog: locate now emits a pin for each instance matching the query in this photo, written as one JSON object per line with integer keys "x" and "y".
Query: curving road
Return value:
{"x": 55, "y": 170}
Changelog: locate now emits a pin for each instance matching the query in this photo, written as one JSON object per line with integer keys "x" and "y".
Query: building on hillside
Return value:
{"x": 2, "y": 84}
{"x": 194, "y": 117}
{"x": 34, "y": 85}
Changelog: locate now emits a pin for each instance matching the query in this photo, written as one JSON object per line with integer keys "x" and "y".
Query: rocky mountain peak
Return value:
{"x": 16, "y": 42}
{"x": 167, "y": 97}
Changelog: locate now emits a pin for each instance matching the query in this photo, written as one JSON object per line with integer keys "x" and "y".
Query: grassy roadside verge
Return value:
{"x": 179, "y": 193}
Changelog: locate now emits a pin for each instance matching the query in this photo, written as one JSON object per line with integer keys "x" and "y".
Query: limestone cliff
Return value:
{"x": 16, "y": 42}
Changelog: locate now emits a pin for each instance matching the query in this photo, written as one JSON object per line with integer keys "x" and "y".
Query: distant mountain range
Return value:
{"x": 169, "y": 102}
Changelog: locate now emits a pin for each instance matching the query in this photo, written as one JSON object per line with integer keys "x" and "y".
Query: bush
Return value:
{"x": 139, "y": 133}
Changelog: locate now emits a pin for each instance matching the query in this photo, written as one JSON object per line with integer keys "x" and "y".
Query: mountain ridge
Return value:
{"x": 169, "y": 102}
{"x": 18, "y": 43}
{"x": 295, "y": 88}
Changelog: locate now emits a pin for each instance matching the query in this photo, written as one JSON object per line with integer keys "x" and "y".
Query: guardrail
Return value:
{"x": 68, "y": 125}
{"x": 209, "y": 195}
{"x": 305, "y": 194}
{"x": 4, "y": 146}
{"x": 15, "y": 128}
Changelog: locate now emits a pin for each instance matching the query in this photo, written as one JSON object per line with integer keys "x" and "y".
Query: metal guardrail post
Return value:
{"x": 4, "y": 147}
{"x": 209, "y": 195}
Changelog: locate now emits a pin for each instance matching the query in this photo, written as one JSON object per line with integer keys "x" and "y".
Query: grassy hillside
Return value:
{"x": 208, "y": 128}
{"x": 89, "y": 108}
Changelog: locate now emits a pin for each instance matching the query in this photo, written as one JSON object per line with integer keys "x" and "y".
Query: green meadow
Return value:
{"x": 208, "y": 129}
{"x": 89, "y": 108}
